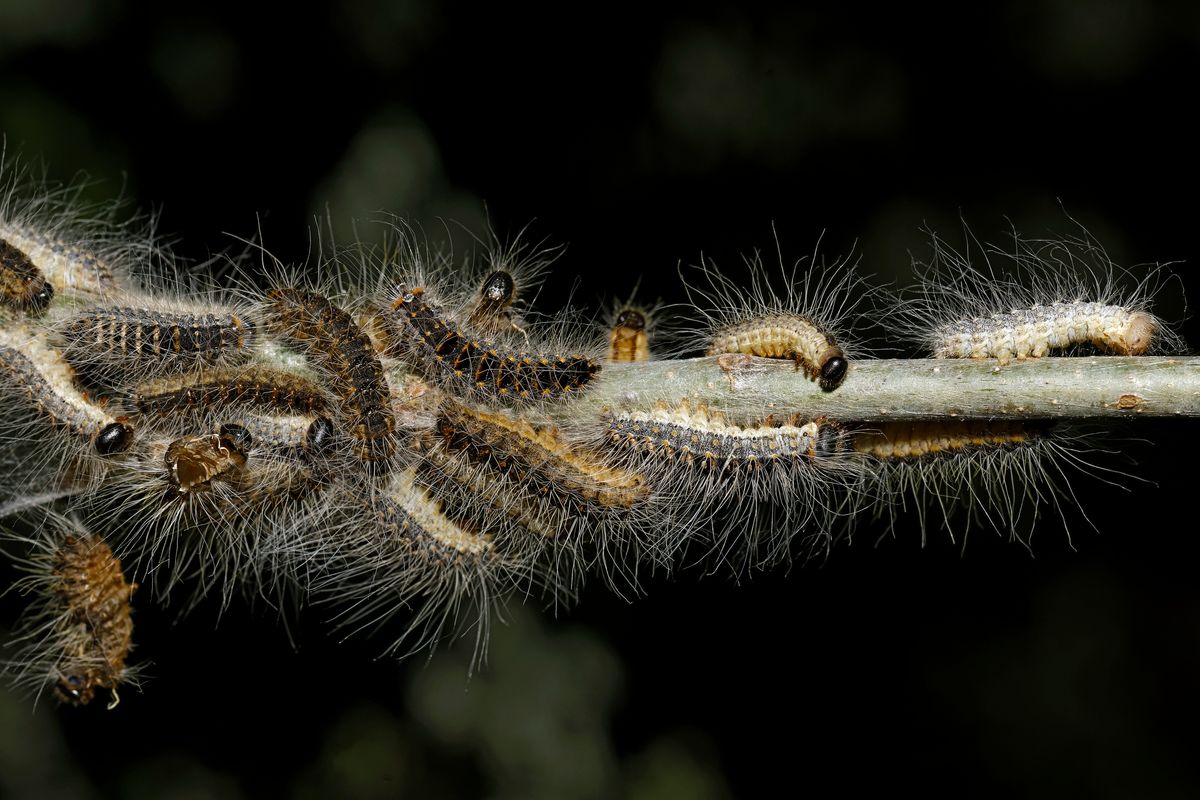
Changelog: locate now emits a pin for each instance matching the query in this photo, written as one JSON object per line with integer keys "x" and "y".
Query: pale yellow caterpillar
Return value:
{"x": 631, "y": 328}
{"x": 804, "y": 320}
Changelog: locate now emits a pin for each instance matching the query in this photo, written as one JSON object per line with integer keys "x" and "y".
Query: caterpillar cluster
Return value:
{"x": 413, "y": 452}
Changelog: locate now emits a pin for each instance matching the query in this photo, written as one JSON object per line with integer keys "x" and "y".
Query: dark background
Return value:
{"x": 640, "y": 137}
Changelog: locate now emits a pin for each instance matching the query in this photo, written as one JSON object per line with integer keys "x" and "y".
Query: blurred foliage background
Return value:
{"x": 641, "y": 135}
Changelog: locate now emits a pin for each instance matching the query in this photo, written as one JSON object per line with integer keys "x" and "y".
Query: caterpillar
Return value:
{"x": 332, "y": 338}
{"x": 805, "y": 322}
{"x": 213, "y": 391}
{"x": 586, "y": 509}
{"x": 79, "y": 631}
{"x": 60, "y": 435}
{"x": 997, "y": 471}
{"x": 760, "y": 483}
{"x": 79, "y": 249}
{"x": 116, "y": 343}
{"x": 1033, "y": 298}
{"x": 630, "y": 330}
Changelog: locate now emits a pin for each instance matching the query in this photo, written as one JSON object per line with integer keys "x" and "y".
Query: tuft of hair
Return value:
{"x": 1031, "y": 297}
{"x": 804, "y": 312}
{"x": 78, "y": 630}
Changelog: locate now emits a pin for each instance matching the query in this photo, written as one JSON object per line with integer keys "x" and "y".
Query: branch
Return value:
{"x": 876, "y": 390}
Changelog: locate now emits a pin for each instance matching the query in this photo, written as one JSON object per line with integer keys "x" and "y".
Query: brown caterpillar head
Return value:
{"x": 194, "y": 462}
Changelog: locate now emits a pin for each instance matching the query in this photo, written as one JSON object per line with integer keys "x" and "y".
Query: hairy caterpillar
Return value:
{"x": 762, "y": 482}
{"x": 78, "y": 632}
{"x": 74, "y": 439}
{"x": 112, "y": 342}
{"x": 582, "y": 505}
{"x": 79, "y": 249}
{"x": 998, "y": 471}
{"x": 214, "y": 390}
{"x": 1031, "y": 299}
{"x": 478, "y": 366}
{"x": 629, "y": 332}
{"x": 511, "y": 273}
{"x": 332, "y": 338}
{"x": 804, "y": 322}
